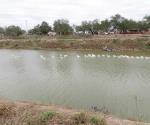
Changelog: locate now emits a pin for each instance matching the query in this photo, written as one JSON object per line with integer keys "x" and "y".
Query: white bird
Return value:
{"x": 14, "y": 56}
{"x": 103, "y": 55}
{"x": 85, "y": 56}
{"x": 98, "y": 55}
{"x": 137, "y": 57}
{"x": 53, "y": 57}
{"x": 108, "y": 56}
{"x": 127, "y": 57}
{"x": 42, "y": 57}
{"x": 132, "y": 57}
{"x": 142, "y": 57}
{"x": 65, "y": 55}
{"x": 147, "y": 57}
{"x": 89, "y": 55}
{"x": 121, "y": 56}
{"x": 78, "y": 56}
{"x": 93, "y": 55}
{"x": 114, "y": 56}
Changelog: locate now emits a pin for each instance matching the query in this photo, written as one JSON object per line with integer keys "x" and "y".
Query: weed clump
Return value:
{"x": 47, "y": 115}
{"x": 148, "y": 45}
{"x": 97, "y": 120}
{"x": 6, "y": 109}
{"x": 80, "y": 118}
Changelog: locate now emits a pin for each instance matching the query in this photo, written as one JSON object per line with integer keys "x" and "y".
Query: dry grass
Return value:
{"x": 98, "y": 120}
{"x": 81, "y": 118}
{"x": 7, "y": 109}
{"x": 34, "y": 114}
{"x": 117, "y": 43}
{"x": 88, "y": 119}
{"x": 31, "y": 114}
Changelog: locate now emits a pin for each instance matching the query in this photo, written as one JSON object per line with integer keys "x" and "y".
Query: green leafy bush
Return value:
{"x": 47, "y": 115}
{"x": 97, "y": 120}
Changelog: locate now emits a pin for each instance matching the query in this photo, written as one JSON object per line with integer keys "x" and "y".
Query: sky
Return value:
{"x": 28, "y": 13}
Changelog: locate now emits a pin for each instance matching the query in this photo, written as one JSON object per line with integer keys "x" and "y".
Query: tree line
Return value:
{"x": 116, "y": 23}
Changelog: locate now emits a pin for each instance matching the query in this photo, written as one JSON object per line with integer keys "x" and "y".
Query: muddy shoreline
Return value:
{"x": 84, "y": 44}
{"x": 14, "y": 112}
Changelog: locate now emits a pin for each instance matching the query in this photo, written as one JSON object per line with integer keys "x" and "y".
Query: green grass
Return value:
{"x": 148, "y": 45}
{"x": 47, "y": 115}
{"x": 97, "y": 120}
{"x": 90, "y": 119}
{"x": 115, "y": 41}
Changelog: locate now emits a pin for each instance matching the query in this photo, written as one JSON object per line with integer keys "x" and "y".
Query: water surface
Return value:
{"x": 119, "y": 85}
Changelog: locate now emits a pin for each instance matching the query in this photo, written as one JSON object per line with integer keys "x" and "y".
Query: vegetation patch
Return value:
{"x": 98, "y": 120}
{"x": 148, "y": 45}
{"x": 6, "y": 109}
{"x": 81, "y": 118}
{"x": 115, "y": 41}
{"x": 29, "y": 119}
{"x": 47, "y": 115}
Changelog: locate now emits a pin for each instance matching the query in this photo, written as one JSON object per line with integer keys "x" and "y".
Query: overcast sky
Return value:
{"x": 32, "y": 12}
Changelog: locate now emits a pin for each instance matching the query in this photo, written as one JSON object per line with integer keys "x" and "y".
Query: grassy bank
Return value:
{"x": 32, "y": 114}
{"x": 121, "y": 43}
{"x": 19, "y": 113}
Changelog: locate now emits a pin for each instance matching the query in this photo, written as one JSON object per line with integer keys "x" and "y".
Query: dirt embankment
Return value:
{"x": 114, "y": 43}
{"x": 23, "y": 113}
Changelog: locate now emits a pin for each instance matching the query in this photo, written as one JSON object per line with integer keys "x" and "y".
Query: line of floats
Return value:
{"x": 61, "y": 56}
{"x": 99, "y": 56}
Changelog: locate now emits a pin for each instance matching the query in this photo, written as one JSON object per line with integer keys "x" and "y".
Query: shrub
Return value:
{"x": 97, "y": 120}
{"x": 6, "y": 109}
{"x": 148, "y": 45}
{"x": 115, "y": 41}
{"x": 13, "y": 31}
{"x": 80, "y": 118}
{"x": 32, "y": 120}
{"x": 26, "y": 116}
{"x": 47, "y": 115}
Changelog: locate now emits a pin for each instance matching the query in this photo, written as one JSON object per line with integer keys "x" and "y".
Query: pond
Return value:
{"x": 115, "y": 84}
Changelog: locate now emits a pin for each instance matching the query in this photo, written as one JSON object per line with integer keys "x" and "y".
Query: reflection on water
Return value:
{"x": 117, "y": 84}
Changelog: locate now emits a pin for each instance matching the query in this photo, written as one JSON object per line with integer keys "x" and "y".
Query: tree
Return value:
{"x": 105, "y": 25}
{"x": 146, "y": 22}
{"x": 78, "y": 28}
{"x": 128, "y": 25}
{"x": 85, "y": 26}
{"x": 45, "y": 28}
{"x": 42, "y": 29}
{"x": 116, "y": 20}
{"x": 35, "y": 30}
{"x": 147, "y": 19}
{"x": 142, "y": 26}
{"x": 13, "y": 31}
{"x": 62, "y": 27}
{"x": 123, "y": 26}
{"x": 96, "y": 25}
{"x": 2, "y": 30}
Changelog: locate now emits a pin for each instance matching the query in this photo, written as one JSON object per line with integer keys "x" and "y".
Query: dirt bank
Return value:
{"x": 23, "y": 113}
{"x": 123, "y": 43}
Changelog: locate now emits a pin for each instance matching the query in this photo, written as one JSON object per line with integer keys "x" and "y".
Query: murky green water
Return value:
{"x": 119, "y": 85}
